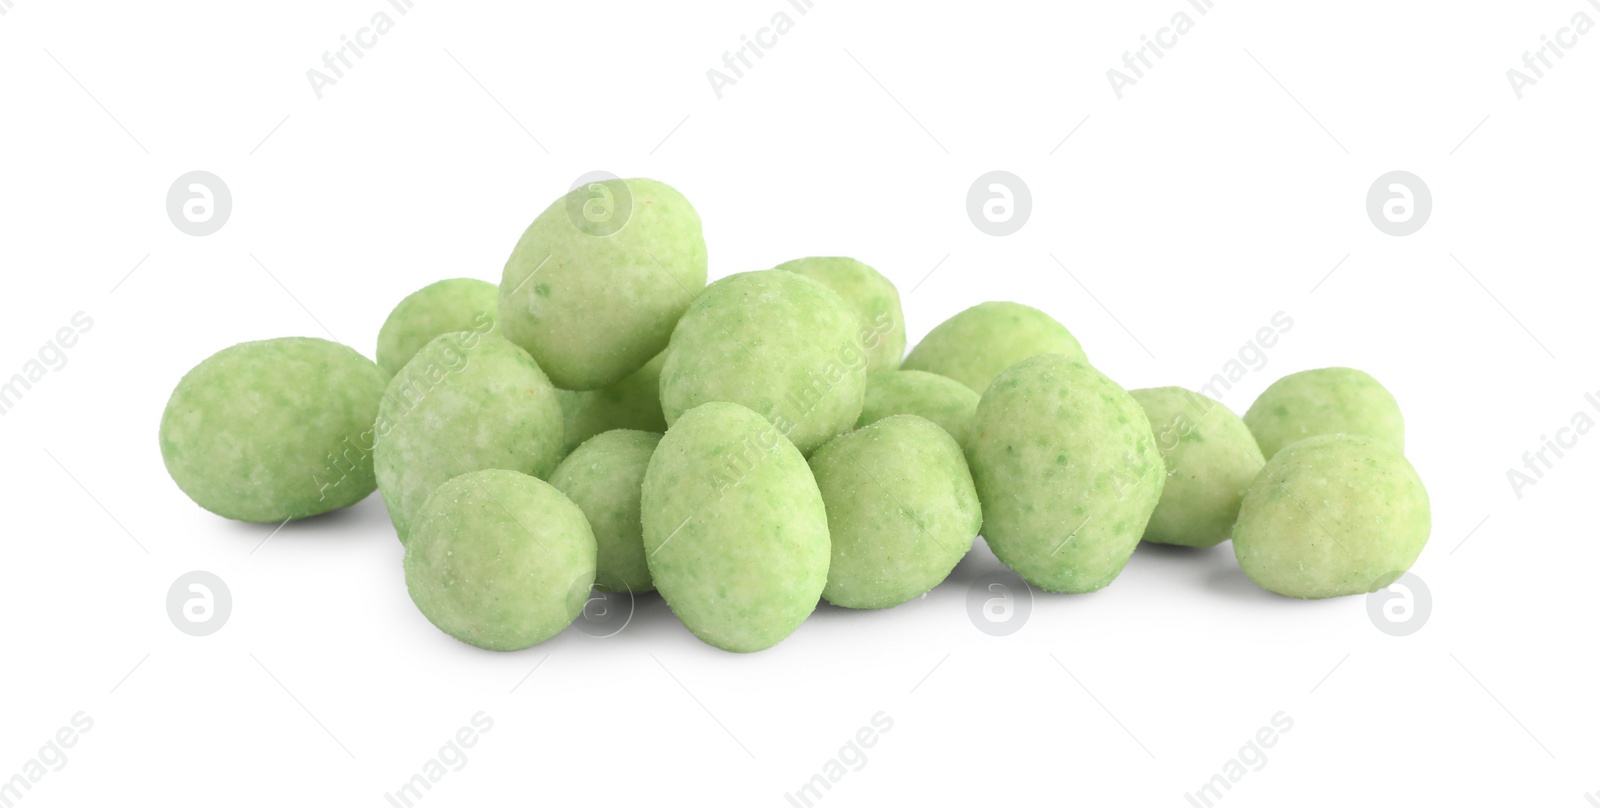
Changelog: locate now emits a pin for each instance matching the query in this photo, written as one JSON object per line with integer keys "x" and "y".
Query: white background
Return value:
{"x": 1183, "y": 217}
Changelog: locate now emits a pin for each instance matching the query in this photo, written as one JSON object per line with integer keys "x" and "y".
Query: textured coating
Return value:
{"x": 1067, "y": 470}
{"x": 873, "y": 297}
{"x": 464, "y": 403}
{"x": 1326, "y": 401}
{"x": 901, "y": 511}
{"x": 500, "y": 560}
{"x": 1210, "y": 457}
{"x": 735, "y": 531}
{"x": 974, "y": 345}
{"x": 273, "y": 430}
{"x": 458, "y": 304}
{"x": 1332, "y": 515}
{"x": 940, "y": 399}
{"x": 776, "y": 342}
{"x": 633, "y": 403}
{"x": 604, "y": 477}
{"x": 592, "y": 302}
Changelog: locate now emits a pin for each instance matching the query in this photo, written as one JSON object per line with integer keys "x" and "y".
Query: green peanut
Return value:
{"x": 465, "y": 402}
{"x": 459, "y": 304}
{"x": 944, "y": 401}
{"x": 901, "y": 511}
{"x": 1326, "y": 401}
{"x": 604, "y": 477}
{"x": 776, "y": 342}
{"x": 1067, "y": 470}
{"x": 633, "y": 403}
{"x": 973, "y": 346}
{"x": 735, "y": 531}
{"x": 874, "y": 299}
{"x": 500, "y": 560}
{"x": 596, "y": 283}
{"x": 274, "y": 430}
{"x": 1332, "y": 515}
{"x": 1210, "y": 457}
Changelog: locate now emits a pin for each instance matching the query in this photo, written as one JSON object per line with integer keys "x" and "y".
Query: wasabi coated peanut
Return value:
{"x": 735, "y": 531}
{"x": 1067, "y": 470}
{"x": 633, "y": 403}
{"x": 465, "y": 402}
{"x": 776, "y": 342}
{"x": 274, "y": 430}
{"x": 901, "y": 511}
{"x": 874, "y": 299}
{"x": 1326, "y": 401}
{"x": 596, "y": 283}
{"x": 603, "y": 477}
{"x": 459, "y": 304}
{"x": 500, "y": 560}
{"x": 973, "y": 346}
{"x": 944, "y": 401}
{"x": 1210, "y": 457}
{"x": 1332, "y": 515}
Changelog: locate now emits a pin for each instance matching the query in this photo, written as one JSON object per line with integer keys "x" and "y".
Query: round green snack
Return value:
{"x": 776, "y": 342}
{"x": 939, "y": 399}
{"x": 597, "y": 282}
{"x": 1327, "y": 401}
{"x": 901, "y": 511}
{"x": 604, "y": 477}
{"x": 874, "y": 299}
{"x": 465, "y": 402}
{"x": 973, "y": 346}
{"x": 1210, "y": 458}
{"x": 735, "y": 531}
{"x": 274, "y": 430}
{"x": 633, "y": 403}
{"x": 459, "y": 304}
{"x": 1067, "y": 470}
{"x": 1332, "y": 515}
{"x": 500, "y": 560}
